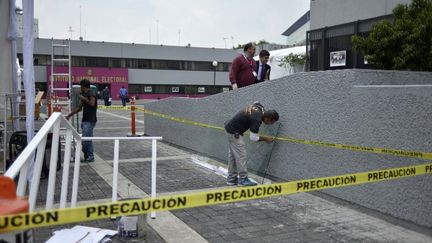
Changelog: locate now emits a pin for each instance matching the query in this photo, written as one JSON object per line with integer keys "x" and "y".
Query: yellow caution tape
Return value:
{"x": 199, "y": 124}
{"x": 114, "y": 107}
{"x": 191, "y": 200}
{"x": 396, "y": 152}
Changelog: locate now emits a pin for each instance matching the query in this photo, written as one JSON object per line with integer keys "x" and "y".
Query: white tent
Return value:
{"x": 275, "y": 60}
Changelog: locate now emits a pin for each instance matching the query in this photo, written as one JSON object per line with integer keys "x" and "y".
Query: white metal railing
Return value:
{"x": 116, "y": 163}
{"x": 38, "y": 144}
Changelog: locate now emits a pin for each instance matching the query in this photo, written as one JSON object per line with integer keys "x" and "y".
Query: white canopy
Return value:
{"x": 275, "y": 58}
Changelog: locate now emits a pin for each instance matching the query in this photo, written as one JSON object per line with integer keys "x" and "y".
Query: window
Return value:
{"x": 42, "y": 60}
{"x": 175, "y": 89}
{"x": 78, "y": 61}
{"x": 226, "y": 67}
{"x": 201, "y": 66}
{"x": 143, "y": 63}
{"x": 148, "y": 89}
{"x": 134, "y": 88}
{"x": 115, "y": 62}
{"x": 166, "y": 64}
{"x": 96, "y": 62}
{"x": 201, "y": 89}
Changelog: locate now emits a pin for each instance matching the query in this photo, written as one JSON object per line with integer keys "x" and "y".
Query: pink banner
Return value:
{"x": 95, "y": 75}
{"x": 113, "y": 78}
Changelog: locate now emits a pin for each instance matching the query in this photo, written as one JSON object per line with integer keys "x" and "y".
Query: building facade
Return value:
{"x": 296, "y": 33}
{"x": 334, "y": 22}
{"x": 20, "y": 25}
{"x": 147, "y": 71}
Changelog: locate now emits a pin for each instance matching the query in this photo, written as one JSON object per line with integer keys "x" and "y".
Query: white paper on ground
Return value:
{"x": 83, "y": 234}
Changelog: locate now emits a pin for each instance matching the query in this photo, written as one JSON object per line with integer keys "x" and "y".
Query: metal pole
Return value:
{"x": 76, "y": 173}
{"x": 153, "y": 173}
{"x": 143, "y": 131}
{"x": 133, "y": 130}
{"x": 53, "y": 165}
{"x": 214, "y": 65}
{"x": 5, "y": 136}
{"x": 214, "y": 80}
{"x": 271, "y": 151}
{"x": 66, "y": 163}
{"x": 115, "y": 170}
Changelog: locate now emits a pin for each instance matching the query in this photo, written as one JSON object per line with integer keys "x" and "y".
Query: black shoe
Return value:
{"x": 87, "y": 160}
{"x": 232, "y": 181}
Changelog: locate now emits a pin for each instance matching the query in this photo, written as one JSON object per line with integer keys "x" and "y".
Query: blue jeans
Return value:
{"x": 87, "y": 146}
{"x": 124, "y": 101}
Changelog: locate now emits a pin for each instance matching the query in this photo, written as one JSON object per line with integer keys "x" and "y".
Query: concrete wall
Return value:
{"x": 333, "y": 12}
{"x": 357, "y": 107}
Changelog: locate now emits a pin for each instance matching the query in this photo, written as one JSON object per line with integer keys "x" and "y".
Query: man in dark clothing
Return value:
{"x": 251, "y": 119}
{"x": 88, "y": 103}
{"x": 106, "y": 95}
{"x": 242, "y": 72}
{"x": 263, "y": 69}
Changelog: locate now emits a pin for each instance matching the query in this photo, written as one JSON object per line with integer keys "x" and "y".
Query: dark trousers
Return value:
{"x": 87, "y": 146}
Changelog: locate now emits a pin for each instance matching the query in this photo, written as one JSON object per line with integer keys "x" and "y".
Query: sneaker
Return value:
{"x": 87, "y": 160}
{"x": 232, "y": 181}
{"x": 246, "y": 182}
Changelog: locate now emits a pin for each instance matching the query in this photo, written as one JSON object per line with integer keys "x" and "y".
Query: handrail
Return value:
{"x": 26, "y": 154}
{"x": 71, "y": 127}
{"x": 121, "y": 138}
{"x": 37, "y": 145}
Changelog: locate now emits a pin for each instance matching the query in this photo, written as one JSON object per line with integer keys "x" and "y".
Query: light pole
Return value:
{"x": 214, "y": 64}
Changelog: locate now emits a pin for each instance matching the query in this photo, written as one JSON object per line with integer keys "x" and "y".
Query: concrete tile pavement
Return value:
{"x": 294, "y": 218}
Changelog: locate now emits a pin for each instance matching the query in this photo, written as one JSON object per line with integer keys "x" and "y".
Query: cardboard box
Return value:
{"x": 22, "y": 109}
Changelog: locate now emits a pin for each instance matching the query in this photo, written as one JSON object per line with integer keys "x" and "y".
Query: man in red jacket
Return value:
{"x": 243, "y": 68}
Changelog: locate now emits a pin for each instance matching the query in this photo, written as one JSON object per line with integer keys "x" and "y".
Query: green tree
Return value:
{"x": 405, "y": 44}
{"x": 292, "y": 60}
{"x": 261, "y": 42}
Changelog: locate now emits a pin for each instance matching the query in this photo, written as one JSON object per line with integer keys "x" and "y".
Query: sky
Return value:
{"x": 201, "y": 23}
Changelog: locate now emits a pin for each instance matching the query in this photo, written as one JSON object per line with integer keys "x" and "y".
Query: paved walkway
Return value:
{"x": 295, "y": 218}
